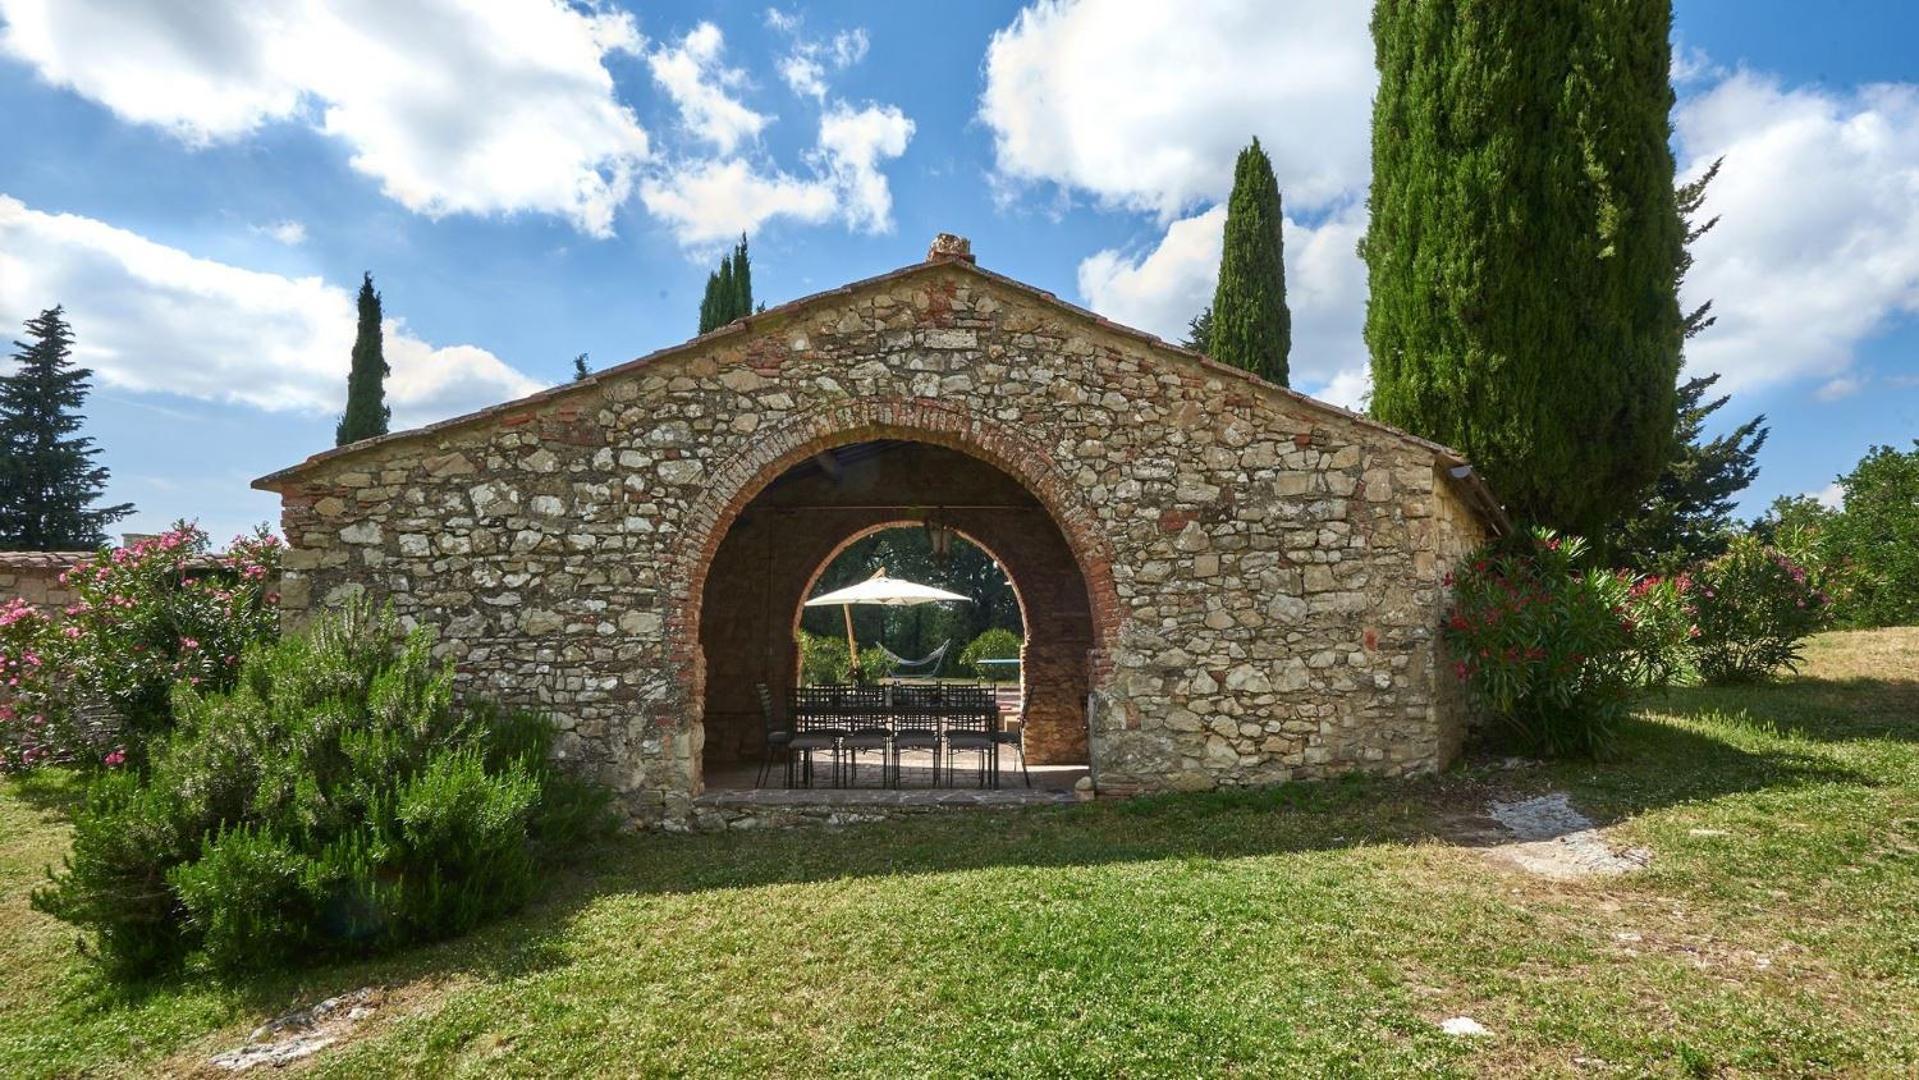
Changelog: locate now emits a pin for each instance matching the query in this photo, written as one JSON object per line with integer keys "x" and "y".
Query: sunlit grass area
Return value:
{"x": 1323, "y": 926}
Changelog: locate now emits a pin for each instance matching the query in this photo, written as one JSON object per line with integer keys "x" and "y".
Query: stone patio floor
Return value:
{"x": 732, "y": 786}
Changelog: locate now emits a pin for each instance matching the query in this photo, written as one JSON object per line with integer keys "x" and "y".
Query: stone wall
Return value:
{"x": 34, "y": 576}
{"x": 1263, "y": 573}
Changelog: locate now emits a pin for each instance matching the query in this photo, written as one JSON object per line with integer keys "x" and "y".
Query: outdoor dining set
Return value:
{"x": 954, "y": 722}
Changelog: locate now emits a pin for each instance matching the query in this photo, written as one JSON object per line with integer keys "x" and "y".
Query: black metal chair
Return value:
{"x": 864, "y": 715}
{"x": 778, "y": 741}
{"x": 972, "y": 719}
{"x": 816, "y": 726}
{"x": 1016, "y": 739}
{"x": 916, "y": 725}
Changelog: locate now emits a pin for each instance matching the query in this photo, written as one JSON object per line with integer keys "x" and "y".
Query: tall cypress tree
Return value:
{"x": 709, "y": 302}
{"x": 1251, "y": 326}
{"x": 48, "y": 480}
{"x": 742, "y": 281}
{"x": 366, "y": 410}
{"x": 1525, "y": 246}
{"x": 729, "y": 290}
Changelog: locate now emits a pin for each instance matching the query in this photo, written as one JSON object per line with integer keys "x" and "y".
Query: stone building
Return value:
{"x": 1224, "y": 582}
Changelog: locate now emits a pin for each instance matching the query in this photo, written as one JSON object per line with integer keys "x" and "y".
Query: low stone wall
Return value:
{"x": 34, "y": 576}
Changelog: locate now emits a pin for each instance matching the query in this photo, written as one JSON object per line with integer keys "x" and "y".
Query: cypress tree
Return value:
{"x": 729, "y": 290}
{"x": 1251, "y": 326}
{"x": 709, "y": 303}
{"x": 580, "y": 368}
{"x": 49, "y": 480}
{"x": 1525, "y": 246}
{"x": 366, "y": 410}
{"x": 742, "y": 281}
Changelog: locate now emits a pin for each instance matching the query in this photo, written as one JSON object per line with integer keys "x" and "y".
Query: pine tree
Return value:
{"x": 1687, "y": 514}
{"x": 366, "y": 413}
{"x": 49, "y": 481}
{"x": 1251, "y": 326}
{"x": 1199, "y": 331}
{"x": 580, "y": 370}
{"x": 1525, "y": 246}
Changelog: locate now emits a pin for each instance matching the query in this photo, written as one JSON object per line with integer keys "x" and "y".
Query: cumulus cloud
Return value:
{"x": 1160, "y": 289}
{"x": 148, "y": 317}
{"x": 1817, "y": 248}
{"x": 706, "y": 202}
{"x": 1145, "y": 106}
{"x": 693, "y": 74}
{"x": 453, "y": 108}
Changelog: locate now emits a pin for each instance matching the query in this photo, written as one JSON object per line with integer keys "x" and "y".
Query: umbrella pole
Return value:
{"x": 852, "y": 646}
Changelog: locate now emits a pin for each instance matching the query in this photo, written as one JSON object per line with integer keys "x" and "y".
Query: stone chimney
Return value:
{"x": 948, "y": 246}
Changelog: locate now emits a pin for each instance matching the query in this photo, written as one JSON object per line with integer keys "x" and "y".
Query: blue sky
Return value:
{"x": 203, "y": 190}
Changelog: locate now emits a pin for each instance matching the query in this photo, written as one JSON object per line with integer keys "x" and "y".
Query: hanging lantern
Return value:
{"x": 939, "y": 538}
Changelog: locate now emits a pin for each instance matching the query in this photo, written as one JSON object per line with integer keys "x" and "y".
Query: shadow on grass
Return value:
{"x": 1822, "y": 710}
{"x": 1658, "y": 764}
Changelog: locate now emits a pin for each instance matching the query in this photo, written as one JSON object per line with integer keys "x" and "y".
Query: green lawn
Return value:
{"x": 1325, "y": 925}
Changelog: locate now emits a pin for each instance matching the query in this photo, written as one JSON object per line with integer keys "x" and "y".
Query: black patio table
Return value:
{"x": 946, "y": 718}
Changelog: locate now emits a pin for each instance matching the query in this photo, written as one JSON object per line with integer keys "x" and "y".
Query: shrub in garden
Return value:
{"x": 36, "y": 723}
{"x": 997, "y": 643}
{"x": 1662, "y": 628}
{"x": 160, "y": 612}
{"x": 1755, "y": 605}
{"x": 824, "y": 659}
{"x": 337, "y": 800}
{"x": 1545, "y": 643}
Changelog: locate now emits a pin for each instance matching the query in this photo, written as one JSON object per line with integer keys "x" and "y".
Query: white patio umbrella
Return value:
{"x": 884, "y": 592}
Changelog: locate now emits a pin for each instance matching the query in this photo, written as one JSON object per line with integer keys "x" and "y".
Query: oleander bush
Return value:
{"x": 1552, "y": 647}
{"x": 336, "y": 800}
{"x": 1755, "y": 605}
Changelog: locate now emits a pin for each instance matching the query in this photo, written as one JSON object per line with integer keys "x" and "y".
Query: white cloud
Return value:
{"x": 454, "y": 108}
{"x": 805, "y": 74}
{"x": 1161, "y": 289}
{"x": 1832, "y": 496}
{"x": 701, "y": 84}
{"x": 290, "y": 233}
{"x": 854, "y": 142}
{"x": 707, "y": 202}
{"x": 710, "y": 201}
{"x": 1145, "y": 106}
{"x": 806, "y": 66}
{"x": 1818, "y": 243}
{"x": 148, "y": 317}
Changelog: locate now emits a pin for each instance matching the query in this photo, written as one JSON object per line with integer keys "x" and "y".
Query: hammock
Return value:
{"x": 926, "y": 665}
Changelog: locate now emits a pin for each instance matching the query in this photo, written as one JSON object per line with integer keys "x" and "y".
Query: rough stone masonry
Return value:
{"x": 1264, "y": 572}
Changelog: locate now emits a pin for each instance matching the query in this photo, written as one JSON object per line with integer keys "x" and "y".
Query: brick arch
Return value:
{"x": 854, "y": 537}
{"x": 737, "y": 481}
{"x": 734, "y": 483}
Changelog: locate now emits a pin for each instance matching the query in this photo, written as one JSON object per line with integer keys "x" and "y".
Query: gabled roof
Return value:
{"x": 1472, "y": 486}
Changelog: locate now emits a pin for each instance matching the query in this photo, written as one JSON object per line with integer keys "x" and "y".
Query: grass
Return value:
{"x": 1325, "y": 926}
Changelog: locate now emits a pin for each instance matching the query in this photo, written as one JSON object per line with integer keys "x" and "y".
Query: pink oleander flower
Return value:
{"x": 115, "y": 759}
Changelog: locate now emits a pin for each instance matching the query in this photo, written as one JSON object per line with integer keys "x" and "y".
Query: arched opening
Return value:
{"x": 782, "y": 540}
{"x": 920, "y": 642}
